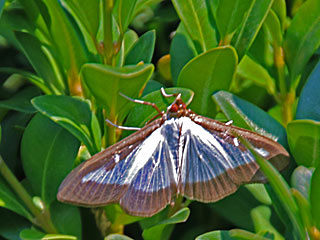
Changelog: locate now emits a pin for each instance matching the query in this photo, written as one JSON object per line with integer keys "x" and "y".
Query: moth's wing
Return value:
{"x": 154, "y": 185}
{"x": 268, "y": 148}
{"x": 215, "y": 163}
{"x": 103, "y": 178}
{"x": 134, "y": 173}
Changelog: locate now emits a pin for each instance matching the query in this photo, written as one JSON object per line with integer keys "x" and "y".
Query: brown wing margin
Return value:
{"x": 278, "y": 156}
{"x": 73, "y": 190}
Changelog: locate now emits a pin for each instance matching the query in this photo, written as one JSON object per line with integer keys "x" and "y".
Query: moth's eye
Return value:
{"x": 174, "y": 108}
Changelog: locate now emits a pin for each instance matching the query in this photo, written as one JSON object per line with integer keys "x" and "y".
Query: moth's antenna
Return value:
{"x": 163, "y": 92}
{"x": 142, "y": 102}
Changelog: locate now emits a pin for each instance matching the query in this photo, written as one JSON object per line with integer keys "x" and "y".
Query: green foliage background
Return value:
{"x": 63, "y": 64}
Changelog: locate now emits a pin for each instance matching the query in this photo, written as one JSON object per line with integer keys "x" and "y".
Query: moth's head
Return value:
{"x": 177, "y": 108}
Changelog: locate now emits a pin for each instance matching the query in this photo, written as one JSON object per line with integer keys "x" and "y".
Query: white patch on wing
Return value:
{"x": 206, "y": 155}
{"x": 94, "y": 175}
{"x": 116, "y": 158}
{"x": 264, "y": 153}
{"x": 151, "y": 147}
{"x": 236, "y": 142}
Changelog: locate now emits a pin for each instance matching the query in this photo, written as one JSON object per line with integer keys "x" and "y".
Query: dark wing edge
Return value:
{"x": 278, "y": 155}
{"x": 211, "y": 168}
{"x": 103, "y": 179}
{"x": 73, "y": 190}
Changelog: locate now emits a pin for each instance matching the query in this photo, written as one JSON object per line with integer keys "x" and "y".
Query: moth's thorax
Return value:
{"x": 178, "y": 109}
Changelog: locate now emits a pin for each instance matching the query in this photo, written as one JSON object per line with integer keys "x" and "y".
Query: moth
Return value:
{"x": 178, "y": 154}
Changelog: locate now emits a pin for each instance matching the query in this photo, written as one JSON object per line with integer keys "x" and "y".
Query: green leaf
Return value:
{"x": 261, "y": 217}
{"x": 315, "y": 196}
{"x": 11, "y": 224}
{"x": 248, "y": 116}
{"x": 206, "y": 73}
{"x": 34, "y": 79}
{"x": 304, "y": 209}
{"x": 142, "y": 49}
{"x": 302, "y": 38}
{"x": 32, "y": 234}
{"x": 309, "y": 101}
{"x": 12, "y": 129}
{"x": 40, "y": 61}
{"x": 280, "y": 8}
{"x": 66, "y": 218}
{"x": 9, "y": 200}
{"x": 236, "y": 207}
{"x": 215, "y": 235}
{"x": 2, "y": 2}
{"x": 106, "y": 82}
{"x": 129, "y": 39}
{"x": 301, "y": 180}
{"x": 229, "y": 16}
{"x": 74, "y": 114}
{"x": 158, "y": 231}
{"x": 152, "y": 86}
{"x": 117, "y": 216}
{"x": 123, "y": 12}
{"x": 251, "y": 25}
{"x": 70, "y": 49}
{"x": 235, "y": 234}
{"x": 117, "y": 237}
{"x": 48, "y": 152}
{"x": 182, "y": 50}
{"x": 87, "y": 16}
{"x": 21, "y": 100}
{"x": 281, "y": 189}
{"x": 251, "y": 70}
{"x": 198, "y": 22}
{"x": 272, "y": 22}
{"x": 304, "y": 142}
{"x": 140, "y": 114}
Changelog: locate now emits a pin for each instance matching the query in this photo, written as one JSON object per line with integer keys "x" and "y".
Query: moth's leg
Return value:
{"x": 122, "y": 127}
{"x": 143, "y": 102}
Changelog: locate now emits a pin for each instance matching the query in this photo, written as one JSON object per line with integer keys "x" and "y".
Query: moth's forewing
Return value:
{"x": 89, "y": 185}
{"x": 266, "y": 147}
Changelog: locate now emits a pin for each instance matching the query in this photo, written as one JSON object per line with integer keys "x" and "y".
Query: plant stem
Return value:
{"x": 107, "y": 23}
{"x": 286, "y": 97}
{"x": 42, "y": 218}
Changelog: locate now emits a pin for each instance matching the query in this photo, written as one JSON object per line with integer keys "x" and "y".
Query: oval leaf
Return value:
{"x": 248, "y": 116}
{"x": 302, "y": 38}
{"x": 304, "y": 142}
{"x": 158, "y": 231}
{"x": 251, "y": 25}
{"x": 73, "y": 114}
{"x": 21, "y": 100}
{"x": 315, "y": 196}
{"x": 48, "y": 152}
{"x": 66, "y": 218}
{"x": 9, "y": 200}
{"x": 309, "y": 101}
{"x": 206, "y": 73}
{"x": 32, "y": 234}
{"x": 195, "y": 15}
{"x": 106, "y": 82}
{"x": 230, "y": 15}
{"x": 182, "y": 50}
{"x": 142, "y": 50}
